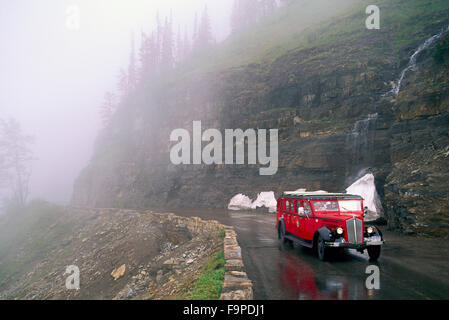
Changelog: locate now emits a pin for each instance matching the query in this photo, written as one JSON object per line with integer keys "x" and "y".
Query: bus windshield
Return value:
{"x": 350, "y": 205}
{"x": 325, "y": 206}
{"x": 341, "y": 205}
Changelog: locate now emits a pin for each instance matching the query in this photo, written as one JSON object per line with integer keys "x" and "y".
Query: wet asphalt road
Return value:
{"x": 410, "y": 268}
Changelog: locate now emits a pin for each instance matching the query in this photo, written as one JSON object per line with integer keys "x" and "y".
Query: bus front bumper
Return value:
{"x": 371, "y": 241}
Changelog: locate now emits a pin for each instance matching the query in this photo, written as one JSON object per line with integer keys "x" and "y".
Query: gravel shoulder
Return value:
{"x": 120, "y": 254}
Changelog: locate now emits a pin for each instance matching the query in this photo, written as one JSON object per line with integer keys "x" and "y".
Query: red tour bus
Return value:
{"x": 326, "y": 222}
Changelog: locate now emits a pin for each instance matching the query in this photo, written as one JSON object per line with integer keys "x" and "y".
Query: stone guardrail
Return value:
{"x": 236, "y": 284}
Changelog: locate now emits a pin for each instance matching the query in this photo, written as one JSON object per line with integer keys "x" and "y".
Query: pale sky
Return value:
{"x": 53, "y": 78}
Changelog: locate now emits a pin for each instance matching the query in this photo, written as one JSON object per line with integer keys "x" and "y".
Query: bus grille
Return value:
{"x": 354, "y": 229}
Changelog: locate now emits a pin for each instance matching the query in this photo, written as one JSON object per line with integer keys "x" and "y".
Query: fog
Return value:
{"x": 54, "y": 76}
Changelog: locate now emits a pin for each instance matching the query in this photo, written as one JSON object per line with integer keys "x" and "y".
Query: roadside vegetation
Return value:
{"x": 210, "y": 282}
{"x": 441, "y": 53}
{"x": 303, "y": 25}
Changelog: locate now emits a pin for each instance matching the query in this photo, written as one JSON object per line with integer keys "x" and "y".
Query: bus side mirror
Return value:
{"x": 365, "y": 211}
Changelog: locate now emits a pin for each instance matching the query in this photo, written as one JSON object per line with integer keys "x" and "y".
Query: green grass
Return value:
{"x": 441, "y": 53}
{"x": 274, "y": 110}
{"x": 409, "y": 19}
{"x": 312, "y": 24}
{"x": 209, "y": 285}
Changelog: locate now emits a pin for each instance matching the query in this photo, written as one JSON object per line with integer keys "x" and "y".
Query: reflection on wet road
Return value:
{"x": 300, "y": 279}
{"x": 282, "y": 272}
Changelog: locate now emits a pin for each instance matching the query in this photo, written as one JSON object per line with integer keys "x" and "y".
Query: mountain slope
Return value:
{"x": 321, "y": 85}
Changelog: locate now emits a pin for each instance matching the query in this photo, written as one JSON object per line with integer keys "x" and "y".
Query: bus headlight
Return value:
{"x": 370, "y": 230}
{"x": 339, "y": 231}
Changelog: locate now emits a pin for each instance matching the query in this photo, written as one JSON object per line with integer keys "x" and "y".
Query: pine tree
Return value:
{"x": 148, "y": 57}
{"x": 179, "y": 46}
{"x": 204, "y": 31}
{"x": 123, "y": 87}
{"x": 108, "y": 107}
{"x": 251, "y": 12}
{"x": 235, "y": 16}
{"x": 195, "y": 34}
{"x": 132, "y": 68}
{"x": 159, "y": 36}
{"x": 167, "y": 60}
{"x": 186, "y": 49}
{"x": 154, "y": 55}
{"x": 144, "y": 56}
{"x": 247, "y": 12}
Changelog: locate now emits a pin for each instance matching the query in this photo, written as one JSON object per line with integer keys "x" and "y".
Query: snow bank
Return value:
{"x": 240, "y": 202}
{"x": 366, "y": 188}
{"x": 265, "y": 199}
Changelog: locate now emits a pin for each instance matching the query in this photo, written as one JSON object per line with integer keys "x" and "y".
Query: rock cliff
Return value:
{"x": 335, "y": 124}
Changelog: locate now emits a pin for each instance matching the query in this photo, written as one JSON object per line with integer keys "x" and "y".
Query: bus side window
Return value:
{"x": 300, "y": 207}
{"x": 307, "y": 209}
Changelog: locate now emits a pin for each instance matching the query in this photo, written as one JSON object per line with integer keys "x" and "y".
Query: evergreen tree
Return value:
{"x": 242, "y": 13}
{"x": 186, "y": 49}
{"x": 179, "y": 46}
{"x": 148, "y": 57}
{"x": 251, "y": 12}
{"x": 167, "y": 60}
{"x": 154, "y": 55}
{"x": 195, "y": 33}
{"x": 158, "y": 39}
{"x": 144, "y": 53}
{"x": 132, "y": 68}
{"x": 247, "y": 12}
{"x": 123, "y": 87}
{"x": 204, "y": 31}
{"x": 128, "y": 80}
{"x": 108, "y": 107}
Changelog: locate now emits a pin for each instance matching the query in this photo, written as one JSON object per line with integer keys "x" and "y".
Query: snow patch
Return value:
{"x": 265, "y": 199}
{"x": 366, "y": 188}
{"x": 243, "y": 202}
{"x": 240, "y": 202}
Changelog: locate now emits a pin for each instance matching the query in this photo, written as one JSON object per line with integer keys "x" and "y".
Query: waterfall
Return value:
{"x": 360, "y": 141}
{"x": 412, "y": 62}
